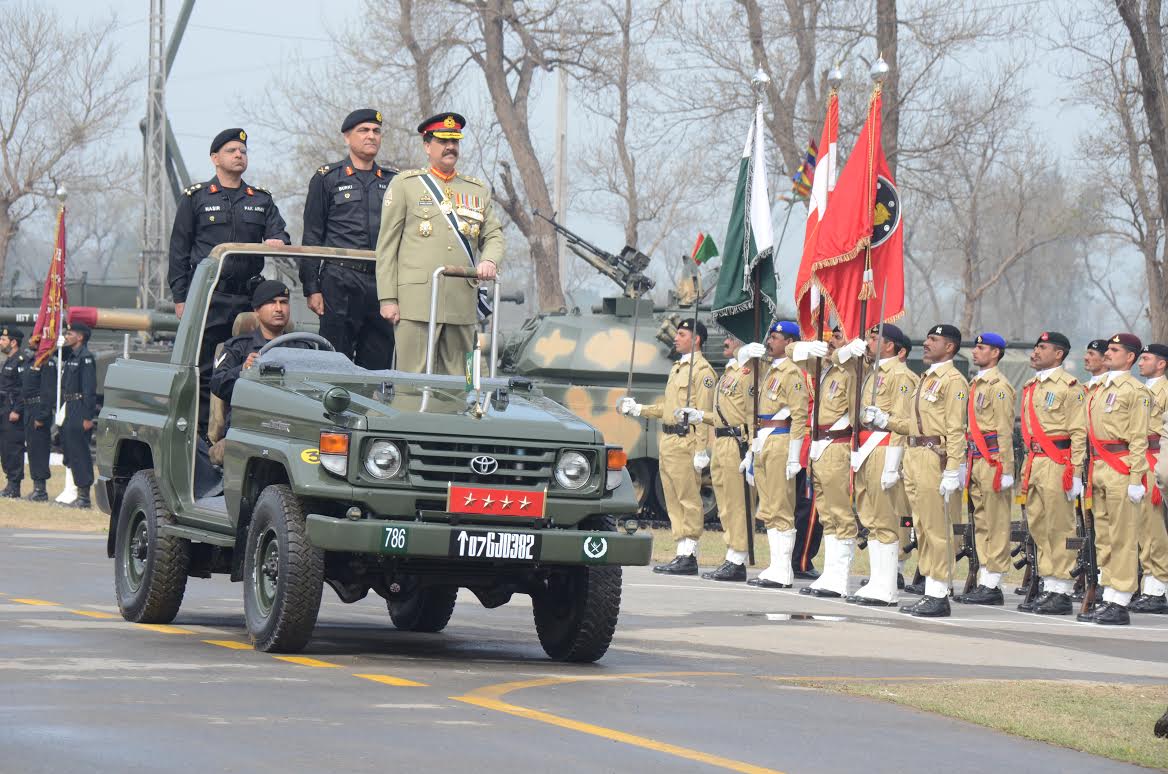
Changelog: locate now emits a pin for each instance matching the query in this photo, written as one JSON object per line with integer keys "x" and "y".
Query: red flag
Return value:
{"x": 53, "y": 301}
{"x": 822, "y": 184}
{"x": 860, "y": 243}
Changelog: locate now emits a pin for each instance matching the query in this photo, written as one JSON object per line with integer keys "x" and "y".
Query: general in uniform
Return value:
{"x": 683, "y": 449}
{"x": 40, "y": 400}
{"x": 343, "y": 209}
{"x": 223, "y": 209}
{"x": 1153, "y": 535}
{"x": 934, "y": 430}
{"x": 990, "y": 468}
{"x": 1054, "y": 431}
{"x": 431, "y": 218}
{"x": 79, "y": 397}
{"x": 12, "y": 409}
{"x": 1117, "y": 431}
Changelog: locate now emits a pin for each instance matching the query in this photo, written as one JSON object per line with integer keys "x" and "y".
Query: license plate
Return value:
{"x": 488, "y": 545}
{"x": 493, "y": 501}
{"x": 395, "y": 541}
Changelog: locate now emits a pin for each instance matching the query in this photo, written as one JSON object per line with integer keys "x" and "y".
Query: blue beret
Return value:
{"x": 786, "y": 327}
{"x": 993, "y": 339}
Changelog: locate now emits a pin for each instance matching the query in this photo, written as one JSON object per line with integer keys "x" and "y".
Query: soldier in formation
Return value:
{"x": 1153, "y": 535}
{"x": 40, "y": 396}
{"x": 79, "y": 398}
{"x": 12, "y": 408}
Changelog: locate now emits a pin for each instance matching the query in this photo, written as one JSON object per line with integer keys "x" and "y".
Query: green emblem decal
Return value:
{"x": 595, "y": 548}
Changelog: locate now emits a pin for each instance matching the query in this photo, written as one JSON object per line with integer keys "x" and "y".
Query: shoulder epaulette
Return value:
{"x": 474, "y": 180}
{"x": 191, "y": 190}
{"x": 261, "y": 188}
{"x": 323, "y": 169}
{"x": 412, "y": 173}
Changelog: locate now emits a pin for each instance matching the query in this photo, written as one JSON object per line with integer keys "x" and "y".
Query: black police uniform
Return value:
{"x": 209, "y": 215}
{"x": 343, "y": 209}
{"x": 79, "y": 396}
{"x": 229, "y": 365}
{"x": 12, "y": 433}
{"x": 40, "y": 398}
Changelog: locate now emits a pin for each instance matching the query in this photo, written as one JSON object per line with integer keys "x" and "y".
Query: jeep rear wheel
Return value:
{"x": 426, "y": 610}
{"x": 575, "y": 614}
{"x": 283, "y": 574}
{"x": 150, "y": 569}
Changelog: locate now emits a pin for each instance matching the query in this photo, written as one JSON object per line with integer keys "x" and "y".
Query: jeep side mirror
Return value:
{"x": 336, "y": 400}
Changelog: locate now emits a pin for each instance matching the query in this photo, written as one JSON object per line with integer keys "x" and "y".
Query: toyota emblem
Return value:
{"x": 484, "y": 465}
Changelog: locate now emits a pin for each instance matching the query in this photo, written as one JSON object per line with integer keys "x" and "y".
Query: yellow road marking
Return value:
{"x": 489, "y": 696}
{"x": 308, "y": 662}
{"x": 36, "y": 602}
{"x": 400, "y": 682}
{"x": 230, "y": 644}
{"x": 164, "y": 629}
{"x": 92, "y": 613}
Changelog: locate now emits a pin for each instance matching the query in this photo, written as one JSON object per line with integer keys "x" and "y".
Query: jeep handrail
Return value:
{"x": 465, "y": 272}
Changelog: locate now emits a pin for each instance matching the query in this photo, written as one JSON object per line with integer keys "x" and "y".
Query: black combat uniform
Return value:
{"x": 40, "y": 398}
{"x": 343, "y": 209}
{"x": 209, "y": 215}
{"x": 12, "y": 432}
{"x": 229, "y": 365}
{"x": 79, "y": 396}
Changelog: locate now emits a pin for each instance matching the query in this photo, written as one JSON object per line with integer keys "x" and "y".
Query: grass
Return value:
{"x": 21, "y": 514}
{"x": 1107, "y": 719}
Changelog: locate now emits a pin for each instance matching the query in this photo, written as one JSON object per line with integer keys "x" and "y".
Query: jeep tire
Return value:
{"x": 283, "y": 574}
{"x": 575, "y": 614}
{"x": 150, "y": 569}
{"x": 428, "y": 609}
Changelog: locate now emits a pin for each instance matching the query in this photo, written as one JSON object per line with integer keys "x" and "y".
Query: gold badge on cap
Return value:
{"x": 243, "y": 135}
{"x": 425, "y": 228}
{"x": 378, "y": 116}
{"x": 449, "y": 122}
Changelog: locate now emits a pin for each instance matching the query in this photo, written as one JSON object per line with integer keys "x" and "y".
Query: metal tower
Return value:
{"x": 156, "y": 199}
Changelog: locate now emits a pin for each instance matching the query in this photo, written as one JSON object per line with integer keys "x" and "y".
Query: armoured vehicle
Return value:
{"x": 409, "y": 485}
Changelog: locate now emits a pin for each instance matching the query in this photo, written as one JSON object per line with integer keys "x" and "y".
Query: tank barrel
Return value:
{"x": 97, "y": 318}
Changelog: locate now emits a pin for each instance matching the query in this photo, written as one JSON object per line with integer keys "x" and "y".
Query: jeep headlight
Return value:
{"x": 573, "y": 470}
{"x": 383, "y": 459}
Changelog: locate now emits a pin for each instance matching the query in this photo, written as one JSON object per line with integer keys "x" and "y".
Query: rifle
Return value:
{"x": 968, "y": 532}
{"x": 1086, "y": 564}
{"x": 1029, "y": 552}
{"x": 627, "y": 270}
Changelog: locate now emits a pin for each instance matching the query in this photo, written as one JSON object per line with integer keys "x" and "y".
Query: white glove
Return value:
{"x": 747, "y": 467}
{"x": 805, "y": 350}
{"x": 701, "y": 460}
{"x": 691, "y": 415}
{"x": 750, "y": 351}
{"x": 628, "y": 407}
{"x": 794, "y": 454}
{"x": 891, "y": 473}
{"x": 950, "y": 483}
{"x": 854, "y": 460}
{"x": 854, "y": 348}
{"x": 1136, "y": 492}
{"x": 876, "y": 417}
{"x": 1076, "y": 489}
{"x": 1007, "y": 482}
{"x": 889, "y": 478}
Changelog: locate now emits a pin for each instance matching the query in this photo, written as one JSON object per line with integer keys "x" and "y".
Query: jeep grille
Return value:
{"x": 436, "y": 463}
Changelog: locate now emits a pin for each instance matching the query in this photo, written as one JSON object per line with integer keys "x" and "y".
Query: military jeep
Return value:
{"x": 408, "y": 485}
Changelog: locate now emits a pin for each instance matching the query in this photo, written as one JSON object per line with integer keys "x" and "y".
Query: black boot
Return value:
{"x": 681, "y": 565}
{"x": 1111, "y": 614}
{"x": 39, "y": 495}
{"x": 82, "y": 500}
{"x": 825, "y": 593}
{"x": 982, "y": 595}
{"x": 767, "y": 584}
{"x": 727, "y": 572}
{"x": 856, "y": 599}
{"x": 1145, "y": 603}
{"x": 12, "y": 490}
{"x": 1028, "y": 606}
{"x": 1054, "y": 604}
{"x": 809, "y": 574}
{"x": 915, "y": 588}
{"x": 929, "y": 607}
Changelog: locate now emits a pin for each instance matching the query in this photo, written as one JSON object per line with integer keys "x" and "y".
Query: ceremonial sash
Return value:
{"x": 868, "y": 442}
{"x": 484, "y": 307}
{"x": 980, "y": 442}
{"x": 1150, "y": 456}
{"x": 1032, "y": 430}
{"x": 1101, "y": 452}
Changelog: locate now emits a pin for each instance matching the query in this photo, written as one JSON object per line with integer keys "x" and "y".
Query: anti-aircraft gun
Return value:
{"x": 627, "y": 270}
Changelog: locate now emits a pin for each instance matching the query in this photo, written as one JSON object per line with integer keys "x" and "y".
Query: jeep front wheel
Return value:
{"x": 150, "y": 569}
{"x": 426, "y": 610}
{"x": 575, "y": 614}
{"x": 283, "y": 574}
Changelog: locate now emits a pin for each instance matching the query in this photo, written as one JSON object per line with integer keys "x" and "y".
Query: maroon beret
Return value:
{"x": 1128, "y": 341}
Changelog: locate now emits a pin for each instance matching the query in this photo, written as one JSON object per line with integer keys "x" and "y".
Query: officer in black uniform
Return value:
{"x": 40, "y": 399}
{"x": 223, "y": 209}
{"x": 343, "y": 209}
{"x": 12, "y": 409}
{"x": 79, "y": 396}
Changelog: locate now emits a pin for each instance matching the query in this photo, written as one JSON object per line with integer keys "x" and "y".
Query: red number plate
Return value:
{"x": 489, "y": 501}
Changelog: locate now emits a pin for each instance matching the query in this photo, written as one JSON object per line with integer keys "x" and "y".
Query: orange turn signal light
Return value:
{"x": 334, "y": 443}
{"x": 617, "y": 459}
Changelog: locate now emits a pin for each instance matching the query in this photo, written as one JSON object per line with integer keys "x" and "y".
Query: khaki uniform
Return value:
{"x": 881, "y": 509}
{"x": 1117, "y": 419}
{"x": 830, "y": 449}
{"x": 732, "y": 406}
{"x": 991, "y": 406}
{"x": 679, "y": 481}
{"x": 935, "y": 436}
{"x": 1054, "y": 406}
{"x": 416, "y": 238}
{"x": 1153, "y": 536}
{"x": 783, "y": 398}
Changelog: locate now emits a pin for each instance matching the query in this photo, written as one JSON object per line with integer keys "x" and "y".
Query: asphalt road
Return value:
{"x": 697, "y": 680}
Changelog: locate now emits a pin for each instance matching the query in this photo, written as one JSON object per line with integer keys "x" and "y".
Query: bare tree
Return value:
{"x": 60, "y": 98}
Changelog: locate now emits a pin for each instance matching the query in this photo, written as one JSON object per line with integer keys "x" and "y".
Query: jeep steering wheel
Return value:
{"x": 319, "y": 341}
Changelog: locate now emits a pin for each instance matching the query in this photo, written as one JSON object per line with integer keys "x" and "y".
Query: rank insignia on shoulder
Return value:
{"x": 323, "y": 170}
{"x": 261, "y": 188}
{"x": 474, "y": 180}
{"x": 191, "y": 190}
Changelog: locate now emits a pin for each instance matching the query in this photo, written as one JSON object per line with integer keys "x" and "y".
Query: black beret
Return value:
{"x": 891, "y": 333}
{"x": 946, "y": 331}
{"x": 226, "y": 136}
{"x": 267, "y": 291}
{"x": 1159, "y": 350}
{"x": 80, "y": 327}
{"x": 1098, "y": 345}
{"x": 362, "y": 116}
{"x": 688, "y": 325}
{"x": 12, "y": 333}
{"x": 1057, "y": 339}
{"x": 444, "y": 126}
{"x": 1128, "y": 341}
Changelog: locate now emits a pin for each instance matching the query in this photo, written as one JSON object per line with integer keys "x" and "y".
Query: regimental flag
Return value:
{"x": 801, "y": 180}
{"x": 822, "y": 185}
{"x": 859, "y": 246}
{"x": 704, "y": 249}
{"x": 53, "y": 300}
{"x": 748, "y": 264}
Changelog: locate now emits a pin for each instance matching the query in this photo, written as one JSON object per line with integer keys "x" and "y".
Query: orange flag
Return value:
{"x": 53, "y": 300}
